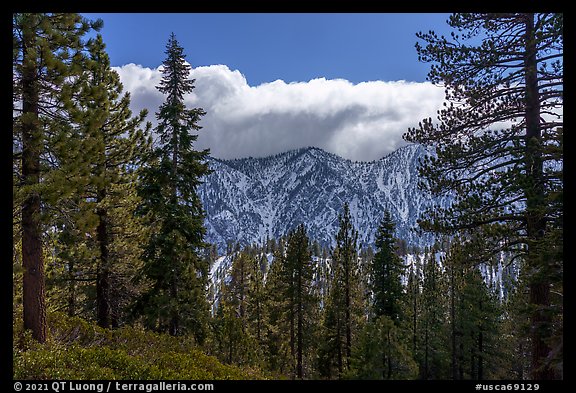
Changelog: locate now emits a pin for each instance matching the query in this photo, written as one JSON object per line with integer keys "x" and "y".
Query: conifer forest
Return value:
{"x": 114, "y": 276}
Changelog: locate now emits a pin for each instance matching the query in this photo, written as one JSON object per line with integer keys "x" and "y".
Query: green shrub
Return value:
{"x": 77, "y": 349}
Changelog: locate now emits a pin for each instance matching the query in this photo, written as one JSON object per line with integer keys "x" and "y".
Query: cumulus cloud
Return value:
{"x": 363, "y": 121}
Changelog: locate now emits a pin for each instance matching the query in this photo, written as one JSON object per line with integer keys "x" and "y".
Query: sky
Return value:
{"x": 349, "y": 83}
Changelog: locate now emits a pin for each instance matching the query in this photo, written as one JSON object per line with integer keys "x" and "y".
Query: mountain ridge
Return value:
{"x": 249, "y": 199}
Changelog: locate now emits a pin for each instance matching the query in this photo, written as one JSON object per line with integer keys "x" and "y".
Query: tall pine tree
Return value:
{"x": 119, "y": 147}
{"x": 98, "y": 236}
{"x": 498, "y": 143}
{"x": 176, "y": 301}
{"x": 47, "y": 60}
{"x": 381, "y": 352}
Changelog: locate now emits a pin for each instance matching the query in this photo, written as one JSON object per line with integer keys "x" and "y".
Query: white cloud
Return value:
{"x": 363, "y": 121}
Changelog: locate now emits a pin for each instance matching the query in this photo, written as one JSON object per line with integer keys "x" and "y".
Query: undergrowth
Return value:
{"x": 78, "y": 349}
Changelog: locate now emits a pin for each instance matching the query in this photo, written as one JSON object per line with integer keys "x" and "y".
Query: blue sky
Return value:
{"x": 265, "y": 47}
{"x": 350, "y": 84}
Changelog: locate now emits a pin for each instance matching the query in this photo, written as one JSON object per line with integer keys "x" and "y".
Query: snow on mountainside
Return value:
{"x": 248, "y": 199}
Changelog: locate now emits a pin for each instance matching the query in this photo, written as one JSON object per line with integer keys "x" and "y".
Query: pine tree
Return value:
{"x": 276, "y": 315}
{"x": 386, "y": 272}
{"x": 454, "y": 265}
{"x": 238, "y": 287}
{"x": 47, "y": 59}
{"x": 516, "y": 332}
{"x": 433, "y": 355}
{"x": 330, "y": 352}
{"x": 256, "y": 296}
{"x": 381, "y": 353}
{"x": 343, "y": 310}
{"x": 483, "y": 327}
{"x": 235, "y": 341}
{"x": 498, "y": 143}
{"x": 289, "y": 306}
{"x": 412, "y": 304}
{"x": 176, "y": 301}
{"x": 98, "y": 236}
{"x": 120, "y": 145}
{"x": 227, "y": 335}
{"x": 475, "y": 319}
{"x": 298, "y": 272}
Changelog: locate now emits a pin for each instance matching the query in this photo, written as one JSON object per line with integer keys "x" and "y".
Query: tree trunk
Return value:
{"x": 347, "y": 311}
{"x": 480, "y": 355}
{"x": 34, "y": 307}
{"x": 521, "y": 364}
{"x": 103, "y": 272}
{"x": 71, "y": 306}
{"x": 174, "y": 325}
{"x": 339, "y": 347}
{"x": 425, "y": 373}
{"x": 480, "y": 345}
{"x": 230, "y": 349}
{"x": 241, "y": 309}
{"x": 473, "y": 374}
{"x": 300, "y": 349}
{"x": 389, "y": 350}
{"x": 535, "y": 220}
{"x": 174, "y": 319}
{"x": 414, "y": 321}
{"x": 461, "y": 361}
{"x": 383, "y": 359}
{"x": 453, "y": 322}
{"x": 292, "y": 339}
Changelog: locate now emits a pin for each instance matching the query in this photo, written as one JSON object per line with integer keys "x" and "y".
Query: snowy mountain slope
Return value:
{"x": 247, "y": 200}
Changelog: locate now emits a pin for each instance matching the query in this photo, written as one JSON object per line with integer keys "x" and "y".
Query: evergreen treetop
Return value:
{"x": 173, "y": 260}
